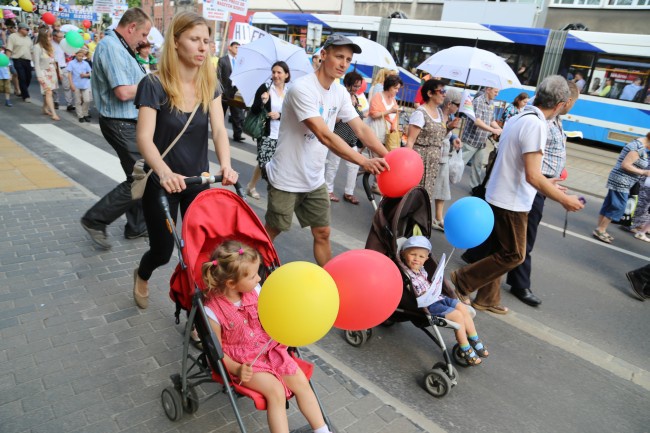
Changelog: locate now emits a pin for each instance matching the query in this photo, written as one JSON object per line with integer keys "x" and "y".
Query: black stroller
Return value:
{"x": 396, "y": 220}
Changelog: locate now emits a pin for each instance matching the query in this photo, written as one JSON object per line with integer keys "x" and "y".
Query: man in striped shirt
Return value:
{"x": 476, "y": 132}
{"x": 552, "y": 164}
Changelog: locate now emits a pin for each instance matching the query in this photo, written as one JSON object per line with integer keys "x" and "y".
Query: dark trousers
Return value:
{"x": 519, "y": 277}
{"x": 120, "y": 135}
{"x": 24, "y": 72}
{"x": 508, "y": 245}
{"x": 161, "y": 241}
{"x": 237, "y": 118}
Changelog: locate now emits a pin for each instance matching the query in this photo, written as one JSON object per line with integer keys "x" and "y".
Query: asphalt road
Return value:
{"x": 567, "y": 366}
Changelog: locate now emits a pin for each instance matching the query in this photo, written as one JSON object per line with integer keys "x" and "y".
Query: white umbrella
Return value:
{"x": 372, "y": 54}
{"x": 155, "y": 37}
{"x": 254, "y": 62}
{"x": 65, "y": 28}
{"x": 471, "y": 66}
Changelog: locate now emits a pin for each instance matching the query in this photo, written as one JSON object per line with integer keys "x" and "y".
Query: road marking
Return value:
{"x": 104, "y": 162}
{"x": 579, "y": 348}
{"x": 413, "y": 415}
{"x": 594, "y": 241}
{"x": 109, "y": 165}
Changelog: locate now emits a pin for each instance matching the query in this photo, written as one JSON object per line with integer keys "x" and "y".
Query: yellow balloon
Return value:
{"x": 298, "y": 304}
{"x": 26, "y": 5}
{"x": 86, "y": 37}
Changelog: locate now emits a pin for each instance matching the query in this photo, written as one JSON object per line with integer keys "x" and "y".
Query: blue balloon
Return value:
{"x": 468, "y": 222}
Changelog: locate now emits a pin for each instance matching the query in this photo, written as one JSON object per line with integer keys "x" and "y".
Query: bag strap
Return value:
{"x": 490, "y": 166}
{"x": 180, "y": 134}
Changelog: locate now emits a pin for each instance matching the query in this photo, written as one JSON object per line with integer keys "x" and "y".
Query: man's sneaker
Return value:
{"x": 70, "y": 108}
{"x": 8, "y": 103}
{"x": 56, "y": 105}
{"x": 97, "y": 236}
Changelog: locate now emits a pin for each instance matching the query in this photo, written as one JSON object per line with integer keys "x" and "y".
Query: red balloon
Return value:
{"x": 48, "y": 18}
{"x": 564, "y": 174}
{"x": 406, "y": 170}
{"x": 362, "y": 89}
{"x": 370, "y": 288}
{"x": 86, "y": 23}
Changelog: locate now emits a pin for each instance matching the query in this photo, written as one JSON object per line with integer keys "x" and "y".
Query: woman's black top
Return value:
{"x": 189, "y": 156}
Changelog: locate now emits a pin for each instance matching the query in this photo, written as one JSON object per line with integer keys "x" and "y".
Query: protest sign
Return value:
{"x": 245, "y": 33}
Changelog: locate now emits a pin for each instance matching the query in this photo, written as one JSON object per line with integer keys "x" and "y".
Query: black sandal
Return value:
{"x": 482, "y": 352}
{"x": 469, "y": 356}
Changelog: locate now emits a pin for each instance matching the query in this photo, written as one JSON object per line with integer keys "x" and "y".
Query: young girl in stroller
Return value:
{"x": 232, "y": 288}
{"x": 415, "y": 251}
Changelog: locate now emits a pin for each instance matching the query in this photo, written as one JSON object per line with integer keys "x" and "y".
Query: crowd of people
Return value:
{"x": 167, "y": 117}
{"x": 59, "y": 75}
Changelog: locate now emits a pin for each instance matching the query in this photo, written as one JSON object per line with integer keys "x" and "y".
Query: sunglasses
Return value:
{"x": 456, "y": 104}
{"x": 441, "y": 91}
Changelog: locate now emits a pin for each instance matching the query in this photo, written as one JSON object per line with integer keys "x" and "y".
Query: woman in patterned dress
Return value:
{"x": 261, "y": 364}
{"x": 45, "y": 68}
{"x": 631, "y": 165}
{"x": 427, "y": 131}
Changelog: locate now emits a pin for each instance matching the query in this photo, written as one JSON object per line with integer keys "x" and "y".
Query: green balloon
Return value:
{"x": 74, "y": 39}
{"x": 4, "y": 60}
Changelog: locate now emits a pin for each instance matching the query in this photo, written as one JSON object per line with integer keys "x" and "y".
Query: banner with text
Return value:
{"x": 238, "y": 7}
{"x": 78, "y": 13}
{"x": 103, "y": 6}
{"x": 245, "y": 33}
{"x": 211, "y": 12}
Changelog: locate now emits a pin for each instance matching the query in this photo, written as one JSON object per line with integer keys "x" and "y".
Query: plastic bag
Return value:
{"x": 456, "y": 166}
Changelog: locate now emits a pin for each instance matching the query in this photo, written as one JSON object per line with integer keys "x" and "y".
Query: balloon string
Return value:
{"x": 261, "y": 351}
{"x": 450, "y": 254}
{"x": 259, "y": 354}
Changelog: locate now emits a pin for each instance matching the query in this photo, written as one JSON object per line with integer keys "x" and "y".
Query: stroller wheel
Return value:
{"x": 453, "y": 375}
{"x": 358, "y": 338}
{"x": 388, "y": 323}
{"x": 171, "y": 403}
{"x": 192, "y": 401}
{"x": 437, "y": 383}
{"x": 455, "y": 353}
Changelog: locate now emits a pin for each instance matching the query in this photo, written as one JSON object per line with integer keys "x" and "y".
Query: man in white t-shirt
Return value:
{"x": 296, "y": 173}
{"x": 515, "y": 179}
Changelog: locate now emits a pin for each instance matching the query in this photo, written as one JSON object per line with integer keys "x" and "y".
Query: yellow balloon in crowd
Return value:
{"x": 298, "y": 304}
{"x": 86, "y": 36}
{"x": 26, "y": 5}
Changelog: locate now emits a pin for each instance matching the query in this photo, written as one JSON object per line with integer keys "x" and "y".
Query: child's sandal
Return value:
{"x": 482, "y": 352}
{"x": 469, "y": 356}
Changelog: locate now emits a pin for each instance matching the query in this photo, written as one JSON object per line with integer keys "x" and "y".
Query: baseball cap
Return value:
{"x": 23, "y": 26}
{"x": 338, "y": 40}
{"x": 417, "y": 242}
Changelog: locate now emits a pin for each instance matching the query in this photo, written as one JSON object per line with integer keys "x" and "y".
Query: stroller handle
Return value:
{"x": 207, "y": 178}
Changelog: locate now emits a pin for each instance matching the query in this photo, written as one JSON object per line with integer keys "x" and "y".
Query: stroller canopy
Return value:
{"x": 397, "y": 217}
{"x": 215, "y": 216}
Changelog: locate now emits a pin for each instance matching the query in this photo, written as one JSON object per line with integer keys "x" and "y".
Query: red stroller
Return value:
{"x": 214, "y": 216}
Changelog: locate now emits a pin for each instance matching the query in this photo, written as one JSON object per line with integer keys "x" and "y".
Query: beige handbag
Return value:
{"x": 140, "y": 176}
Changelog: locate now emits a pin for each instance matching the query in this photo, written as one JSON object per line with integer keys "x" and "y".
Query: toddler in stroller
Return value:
{"x": 232, "y": 287}
{"x": 414, "y": 253}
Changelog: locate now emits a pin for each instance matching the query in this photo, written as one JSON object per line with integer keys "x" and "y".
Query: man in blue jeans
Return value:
{"x": 115, "y": 78}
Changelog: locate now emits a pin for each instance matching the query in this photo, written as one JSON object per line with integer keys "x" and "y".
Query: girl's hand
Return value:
{"x": 457, "y": 144}
{"x": 394, "y": 109}
{"x": 454, "y": 123}
{"x": 274, "y": 115}
{"x": 230, "y": 176}
{"x": 245, "y": 373}
{"x": 172, "y": 182}
{"x": 265, "y": 97}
